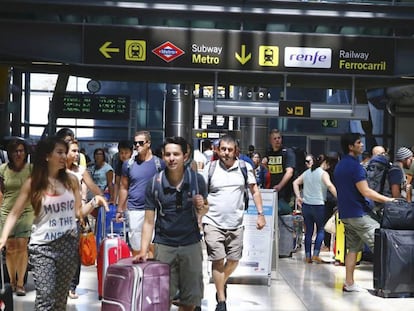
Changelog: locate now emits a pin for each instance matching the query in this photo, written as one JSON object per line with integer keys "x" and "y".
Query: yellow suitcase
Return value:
{"x": 340, "y": 248}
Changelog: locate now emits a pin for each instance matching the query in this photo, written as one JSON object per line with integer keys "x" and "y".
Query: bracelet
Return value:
{"x": 260, "y": 214}
{"x": 94, "y": 203}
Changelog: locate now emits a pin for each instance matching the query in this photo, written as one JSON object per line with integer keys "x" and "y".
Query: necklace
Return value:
{"x": 52, "y": 187}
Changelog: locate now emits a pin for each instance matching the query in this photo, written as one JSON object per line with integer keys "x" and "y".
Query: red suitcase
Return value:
{"x": 112, "y": 249}
{"x": 137, "y": 286}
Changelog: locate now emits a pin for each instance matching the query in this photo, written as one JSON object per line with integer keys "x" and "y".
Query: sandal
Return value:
{"x": 73, "y": 295}
{"x": 20, "y": 291}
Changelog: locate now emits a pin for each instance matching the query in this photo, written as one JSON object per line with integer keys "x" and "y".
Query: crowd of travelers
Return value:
{"x": 178, "y": 199}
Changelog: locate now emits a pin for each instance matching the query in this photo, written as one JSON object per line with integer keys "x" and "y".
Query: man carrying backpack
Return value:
{"x": 174, "y": 199}
{"x": 136, "y": 172}
{"x": 223, "y": 223}
{"x": 386, "y": 178}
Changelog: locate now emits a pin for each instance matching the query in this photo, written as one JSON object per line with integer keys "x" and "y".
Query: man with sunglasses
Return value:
{"x": 135, "y": 175}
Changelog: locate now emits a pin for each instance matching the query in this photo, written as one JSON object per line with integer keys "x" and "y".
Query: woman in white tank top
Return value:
{"x": 56, "y": 200}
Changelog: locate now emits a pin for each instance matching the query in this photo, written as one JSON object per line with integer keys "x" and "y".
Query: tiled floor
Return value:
{"x": 295, "y": 287}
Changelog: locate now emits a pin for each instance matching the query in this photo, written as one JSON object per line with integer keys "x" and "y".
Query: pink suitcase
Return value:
{"x": 137, "y": 287}
{"x": 112, "y": 249}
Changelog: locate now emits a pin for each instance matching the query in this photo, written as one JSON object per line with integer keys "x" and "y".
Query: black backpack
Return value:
{"x": 300, "y": 157}
{"x": 377, "y": 173}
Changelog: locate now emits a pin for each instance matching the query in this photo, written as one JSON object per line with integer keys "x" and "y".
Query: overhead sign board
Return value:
{"x": 292, "y": 108}
{"x": 210, "y": 49}
{"x": 90, "y": 106}
{"x": 214, "y": 134}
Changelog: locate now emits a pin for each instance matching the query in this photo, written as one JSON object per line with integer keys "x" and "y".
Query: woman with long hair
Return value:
{"x": 55, "y": 197}
{"x": 85, "y": 182}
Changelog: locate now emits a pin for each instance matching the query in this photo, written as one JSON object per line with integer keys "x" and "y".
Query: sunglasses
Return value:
{"x": 308, "y": 161}
{"x": 140, "y": 142}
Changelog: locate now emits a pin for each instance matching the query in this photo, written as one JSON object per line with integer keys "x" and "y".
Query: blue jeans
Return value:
{"x": 313, "y": 214}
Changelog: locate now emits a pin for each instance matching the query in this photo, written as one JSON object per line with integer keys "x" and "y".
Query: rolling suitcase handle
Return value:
{"x": 3, "y": 288}
{"x": 123, "y": 229}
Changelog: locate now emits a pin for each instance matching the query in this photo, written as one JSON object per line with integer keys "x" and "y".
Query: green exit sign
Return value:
{"x": 329, "y": 123}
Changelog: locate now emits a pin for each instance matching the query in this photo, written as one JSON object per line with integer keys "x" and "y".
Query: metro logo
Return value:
{"x": 168, "y": 51}
{"x": 302, "y": 57}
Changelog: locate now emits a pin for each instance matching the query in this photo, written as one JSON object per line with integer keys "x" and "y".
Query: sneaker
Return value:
{"x": 221, "y": 306}
{"x": 225, "y": 293}
{"x": 317, "y": 259}
{"x": 73, "y": 295}
{"x": 352, "y": 288}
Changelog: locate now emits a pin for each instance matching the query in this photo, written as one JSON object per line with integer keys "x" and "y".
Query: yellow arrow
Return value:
{"x": 105, "y": 49}
{"x": 243, "y": 59}
{"x": 289, "y": 110}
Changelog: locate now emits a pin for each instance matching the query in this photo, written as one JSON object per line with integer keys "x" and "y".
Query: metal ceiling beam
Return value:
{"x": 349, "y": 13}
{"x": 271, "y": 109}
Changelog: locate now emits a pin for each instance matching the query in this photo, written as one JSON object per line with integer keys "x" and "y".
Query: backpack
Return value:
{"x": 132, "y": 160}
{"x": 300, "y": 157}
{"x": 243, "y": 168}
{"x": 156, "y": 188}
{"x": 377, "y": 172}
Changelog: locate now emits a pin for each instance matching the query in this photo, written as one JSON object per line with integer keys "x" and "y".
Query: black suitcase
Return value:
{"x": 398, "y": 215}
{"x": 394, "y": 263}
{"x": 6, "y": 293}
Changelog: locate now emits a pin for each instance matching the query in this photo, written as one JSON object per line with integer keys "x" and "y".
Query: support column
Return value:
{"x": 254, "y": 130}
{"x": 4, "y": 100}
{"x": 179, "y": 111}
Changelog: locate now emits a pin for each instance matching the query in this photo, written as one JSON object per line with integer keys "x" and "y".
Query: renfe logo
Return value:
{"x": 308, "y": 57}
{"x": 168, "y": 51}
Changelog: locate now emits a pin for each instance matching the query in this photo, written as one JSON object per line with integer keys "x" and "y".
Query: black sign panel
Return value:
{"x": 163, "y": 47}
{"x": 90, "y": 106}
{"x": 294, "y": 109}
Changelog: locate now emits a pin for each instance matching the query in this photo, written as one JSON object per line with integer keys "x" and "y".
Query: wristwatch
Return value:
{"x": 260, "y": 213}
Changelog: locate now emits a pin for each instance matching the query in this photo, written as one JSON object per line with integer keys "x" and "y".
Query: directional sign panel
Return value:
{"x": 210, "y": 49}
{"x": 292, "y": 108}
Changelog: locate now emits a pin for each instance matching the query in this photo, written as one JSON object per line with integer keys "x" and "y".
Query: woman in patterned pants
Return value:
{"x": 55, "y": 198}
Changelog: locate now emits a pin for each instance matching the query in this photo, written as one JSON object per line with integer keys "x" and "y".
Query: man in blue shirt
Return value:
{"x": 352, "y": 188}
{"x": 136, "y": 172}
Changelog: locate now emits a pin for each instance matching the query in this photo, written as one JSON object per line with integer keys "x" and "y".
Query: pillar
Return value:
{"x": 179, "y": 111}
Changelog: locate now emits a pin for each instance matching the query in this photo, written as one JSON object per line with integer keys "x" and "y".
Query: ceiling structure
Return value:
{"x": 49, "y": 36}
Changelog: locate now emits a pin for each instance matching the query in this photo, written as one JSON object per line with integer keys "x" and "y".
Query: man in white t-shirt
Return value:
{"x": 223, "y": 223}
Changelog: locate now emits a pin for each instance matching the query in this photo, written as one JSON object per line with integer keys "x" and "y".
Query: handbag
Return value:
{"x": 330, "y": 225}
{"x": 87, "y": 245}
{"x": 398, "y": 215}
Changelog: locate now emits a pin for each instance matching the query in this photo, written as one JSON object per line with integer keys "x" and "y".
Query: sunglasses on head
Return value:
{"x": 140, "y": 142}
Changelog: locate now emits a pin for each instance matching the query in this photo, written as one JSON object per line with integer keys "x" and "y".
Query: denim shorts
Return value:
{"x": 358, "y": 231}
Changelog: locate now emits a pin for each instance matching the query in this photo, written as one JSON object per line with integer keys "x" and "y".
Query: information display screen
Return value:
{"x": 91, "y": 106}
